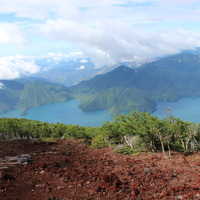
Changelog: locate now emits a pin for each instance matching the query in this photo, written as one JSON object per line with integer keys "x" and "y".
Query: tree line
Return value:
{"x": 144, "y": 131}
{"x": 126, "y": 133}
{"x": 14, "y": 128}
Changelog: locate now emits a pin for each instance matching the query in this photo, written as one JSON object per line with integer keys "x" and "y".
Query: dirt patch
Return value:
{"x": 69, "y": 169}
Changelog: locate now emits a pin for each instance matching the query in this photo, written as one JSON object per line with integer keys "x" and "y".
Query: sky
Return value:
{"x": 106, "y": 31}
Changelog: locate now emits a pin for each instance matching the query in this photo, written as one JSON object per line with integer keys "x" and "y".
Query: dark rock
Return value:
{"x": 8, "y": 177}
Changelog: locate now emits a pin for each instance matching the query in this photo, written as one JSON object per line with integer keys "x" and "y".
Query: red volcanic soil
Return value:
{"x": 70, "y": 169}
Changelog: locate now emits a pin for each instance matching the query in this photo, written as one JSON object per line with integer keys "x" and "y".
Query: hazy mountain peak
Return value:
{"x": 122, "y": 68}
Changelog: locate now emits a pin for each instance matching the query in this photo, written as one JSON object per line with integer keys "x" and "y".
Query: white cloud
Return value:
{"x": 93, "y": 10}
{"x": 1, "y": 86}
{"x": 63, "y": 57}
{"x": 54, "y": 59}
{"x": 108, "y": 44}
{"x": 178, "y": 2}
{"x": 15, "y": 67}
{"x": 81, "y": 67}
{"x": 11, "y": 34}
{"x": 84, "y": 61}
{"x": 108, "y": 31}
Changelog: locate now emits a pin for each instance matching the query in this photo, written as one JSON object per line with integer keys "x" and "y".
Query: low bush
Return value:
{"x": 99, "y": 142}
{"x": 127, "y": 150}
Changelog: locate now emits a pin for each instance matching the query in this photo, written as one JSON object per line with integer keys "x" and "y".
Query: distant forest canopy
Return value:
{"x": 128, "y": 134}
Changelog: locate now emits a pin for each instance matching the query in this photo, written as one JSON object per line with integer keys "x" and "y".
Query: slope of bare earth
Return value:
{"x": 69, "y": 169}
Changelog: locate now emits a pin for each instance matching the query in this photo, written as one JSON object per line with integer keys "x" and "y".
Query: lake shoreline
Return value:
{"x": 67, "y": 112}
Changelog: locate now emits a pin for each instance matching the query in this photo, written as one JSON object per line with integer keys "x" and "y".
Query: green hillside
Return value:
{"x": 22, "y": 95}
{"x": 115, "y": 78}
{"x": 124, "y": 88}
{"x": 169, "y": 78}
{"x": 118, "y": 99}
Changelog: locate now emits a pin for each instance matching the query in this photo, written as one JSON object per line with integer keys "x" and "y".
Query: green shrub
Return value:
{"x": 99, "y": 142}
{"x": 127, "y": 150}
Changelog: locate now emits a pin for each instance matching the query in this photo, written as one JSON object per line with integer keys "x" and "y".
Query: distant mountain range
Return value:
{"x": 30, "y": 92}
{"x": 124, "y": 88}
{"x": 121, "y": 89}
{"x": 68, "y": 72}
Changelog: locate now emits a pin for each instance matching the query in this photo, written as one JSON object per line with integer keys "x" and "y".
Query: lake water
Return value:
{"x": 64, "y": 112}
{"x": 187, "y": 109}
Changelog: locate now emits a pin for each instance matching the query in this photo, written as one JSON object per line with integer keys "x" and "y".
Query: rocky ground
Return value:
{"x": 70, "y": 169}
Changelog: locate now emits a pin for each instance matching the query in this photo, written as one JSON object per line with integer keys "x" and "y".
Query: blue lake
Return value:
{"x": 187, "y": 109}
{"x": 64, "y": 112}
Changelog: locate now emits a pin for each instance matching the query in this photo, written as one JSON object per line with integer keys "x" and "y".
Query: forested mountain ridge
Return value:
{"x": 118, "y": 99}
{"x": 124, "y": 88}
{"x": 169, "y": 78}
{"x": 115, "y": 78}
{"x": 22, "y": 94}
